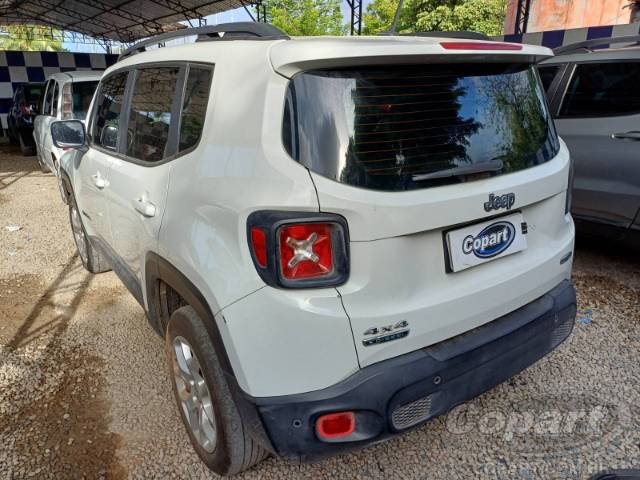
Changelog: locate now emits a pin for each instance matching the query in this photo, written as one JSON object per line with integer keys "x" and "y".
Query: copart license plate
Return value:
{"x": 486, "y": 241}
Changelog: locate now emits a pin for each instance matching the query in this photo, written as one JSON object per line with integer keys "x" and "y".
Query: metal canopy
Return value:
{"x": 120, "y": 20}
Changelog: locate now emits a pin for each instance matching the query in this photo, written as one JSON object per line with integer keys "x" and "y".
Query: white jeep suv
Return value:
{"x": 339, "y": 238}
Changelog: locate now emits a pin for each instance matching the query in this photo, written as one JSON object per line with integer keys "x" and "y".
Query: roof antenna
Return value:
{"x": 396, "y": 18}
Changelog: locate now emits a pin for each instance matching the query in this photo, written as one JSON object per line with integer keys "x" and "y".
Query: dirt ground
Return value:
{"x": 84, "y": 391}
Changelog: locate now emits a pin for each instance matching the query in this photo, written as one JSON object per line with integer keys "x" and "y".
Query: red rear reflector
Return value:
{"x": 335, "y": 425}
{"x": 259, "y": 244}
{"x": 306, "y": 250}
{"x": 480, "y": 46}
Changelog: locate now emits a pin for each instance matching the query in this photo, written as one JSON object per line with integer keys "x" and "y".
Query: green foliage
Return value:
{"x": 306, "y": 17}
{"x": 30, "y": 38}
{"x": 486, "y": 16}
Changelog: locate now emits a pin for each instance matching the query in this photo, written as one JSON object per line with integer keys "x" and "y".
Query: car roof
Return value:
{"x": 598, "y": 55}
{"x": 290, "y": 56}
{"x": 76, "y": 76}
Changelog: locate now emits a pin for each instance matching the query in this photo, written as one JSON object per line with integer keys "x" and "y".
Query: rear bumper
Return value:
{"x": 396, "y": 395}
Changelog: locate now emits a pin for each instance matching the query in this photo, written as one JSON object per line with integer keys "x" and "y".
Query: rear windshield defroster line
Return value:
{"x": 401, "y": 128}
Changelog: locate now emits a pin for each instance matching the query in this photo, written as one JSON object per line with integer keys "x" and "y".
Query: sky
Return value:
{"x": 238, "y": 15}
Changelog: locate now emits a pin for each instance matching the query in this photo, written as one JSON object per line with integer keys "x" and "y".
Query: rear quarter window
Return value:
{"x": 194, "y": 106}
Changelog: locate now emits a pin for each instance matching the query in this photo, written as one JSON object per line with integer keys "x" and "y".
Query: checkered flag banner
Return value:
{"x": 23, "y": 67}
{"x": 562, "y": 38}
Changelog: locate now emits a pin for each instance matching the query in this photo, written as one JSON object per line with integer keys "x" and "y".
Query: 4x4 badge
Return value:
{"x": 496, "y": 202}
{"x": 385, "y": 333}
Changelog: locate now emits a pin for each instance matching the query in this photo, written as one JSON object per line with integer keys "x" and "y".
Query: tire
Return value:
{"x": 92, "y": 259}
{"x": 25, "y": 149}
{"x": 230, "y": 449}
{"x": 43, "y": 166}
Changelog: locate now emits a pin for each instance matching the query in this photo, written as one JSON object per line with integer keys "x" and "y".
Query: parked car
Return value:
{"x": 594, "y": 98}
{"x": 67, "y": 95}
{"x": 338, "y": 238}
{"x": 24, "y": 109}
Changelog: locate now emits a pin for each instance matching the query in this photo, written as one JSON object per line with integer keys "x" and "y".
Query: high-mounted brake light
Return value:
{"x": 481, "y": 46}
{"x": 299, "y": 249}
{"x": 335, "y": 425}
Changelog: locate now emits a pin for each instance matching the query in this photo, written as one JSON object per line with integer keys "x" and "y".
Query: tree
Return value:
{"x": 486, "y": 16}
{"x": 30, "y": 38}
{"x": 306, "y": 17}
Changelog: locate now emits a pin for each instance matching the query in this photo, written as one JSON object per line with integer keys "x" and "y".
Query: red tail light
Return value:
{"x": 67, "y": 102}
{"x": 259, "y": 244}
{"x": 480, "y": 46}
{"x": 299, "y": 250}
{"x": 306, "y": 250}
{"x": 335, "y": 425}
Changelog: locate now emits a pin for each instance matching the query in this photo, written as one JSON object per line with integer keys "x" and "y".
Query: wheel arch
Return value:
{"x": 160, "y": 271}
{"x": 66, "y": 185}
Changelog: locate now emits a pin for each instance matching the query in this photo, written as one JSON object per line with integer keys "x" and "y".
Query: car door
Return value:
{"x": 599, "y": 119}
{"x": 94, "y": 166}
{"x": 46, "y": 143}
{"x": 139, "y": 179}
{"x": 43, "y": 123}
{"x": 38, "y": 122}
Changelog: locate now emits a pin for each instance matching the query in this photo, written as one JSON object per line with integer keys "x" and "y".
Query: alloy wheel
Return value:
{"x": 194, "y": 395}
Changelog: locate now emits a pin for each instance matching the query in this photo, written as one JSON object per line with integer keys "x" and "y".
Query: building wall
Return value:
{"x": 566, "y": 14}
{"x": 24, "y": 67}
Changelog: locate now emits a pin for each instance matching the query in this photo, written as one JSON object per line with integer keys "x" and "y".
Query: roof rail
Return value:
{"x": 223, "y": 31}
{"x": 589, "y": 44}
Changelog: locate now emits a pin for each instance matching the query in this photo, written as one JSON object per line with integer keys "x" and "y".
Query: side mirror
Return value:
{"x": 68, "y": 133}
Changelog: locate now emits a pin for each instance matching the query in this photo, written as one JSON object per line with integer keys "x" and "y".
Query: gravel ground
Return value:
{"x": 84, "y": 391}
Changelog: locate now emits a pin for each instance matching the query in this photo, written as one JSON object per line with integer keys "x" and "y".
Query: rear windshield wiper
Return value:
{"x": 490, "y": 166}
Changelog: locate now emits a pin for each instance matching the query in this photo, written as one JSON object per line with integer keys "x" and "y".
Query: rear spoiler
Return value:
{"x": 289, "y": 58}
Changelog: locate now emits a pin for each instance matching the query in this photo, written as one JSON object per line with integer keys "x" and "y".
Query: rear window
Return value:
{"x": 82, "y": 93}
{"x": 411, "y": 127}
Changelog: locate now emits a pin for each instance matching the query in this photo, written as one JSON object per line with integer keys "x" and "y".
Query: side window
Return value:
{"x": 150, "y": 115}
{"x": 603, "y": 89}
{"x": 547, "y": 74}
{"x": 194, "y": 106}
{"x": 106, "y": 120}
{"x": 54, "y": 99}
{"x": 46, "y": 110}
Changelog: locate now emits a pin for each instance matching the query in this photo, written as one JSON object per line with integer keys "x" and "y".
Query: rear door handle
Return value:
{"x": 145, "y": 207}
{"x": 626, "y": 136}
{"x": 99, "y": 182}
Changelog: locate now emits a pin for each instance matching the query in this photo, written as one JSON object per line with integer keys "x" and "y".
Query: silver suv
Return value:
{"x": 594, "y": 97}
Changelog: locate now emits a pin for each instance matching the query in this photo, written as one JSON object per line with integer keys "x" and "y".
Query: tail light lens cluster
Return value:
{"x": 67, "y": 102}
{"x": 298, "y": 250}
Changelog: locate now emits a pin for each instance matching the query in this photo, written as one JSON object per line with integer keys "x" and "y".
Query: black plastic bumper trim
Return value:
{"x": 451, "y": 372}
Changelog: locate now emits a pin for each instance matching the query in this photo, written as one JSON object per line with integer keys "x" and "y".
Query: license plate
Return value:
{"x": 486, "y": 241}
